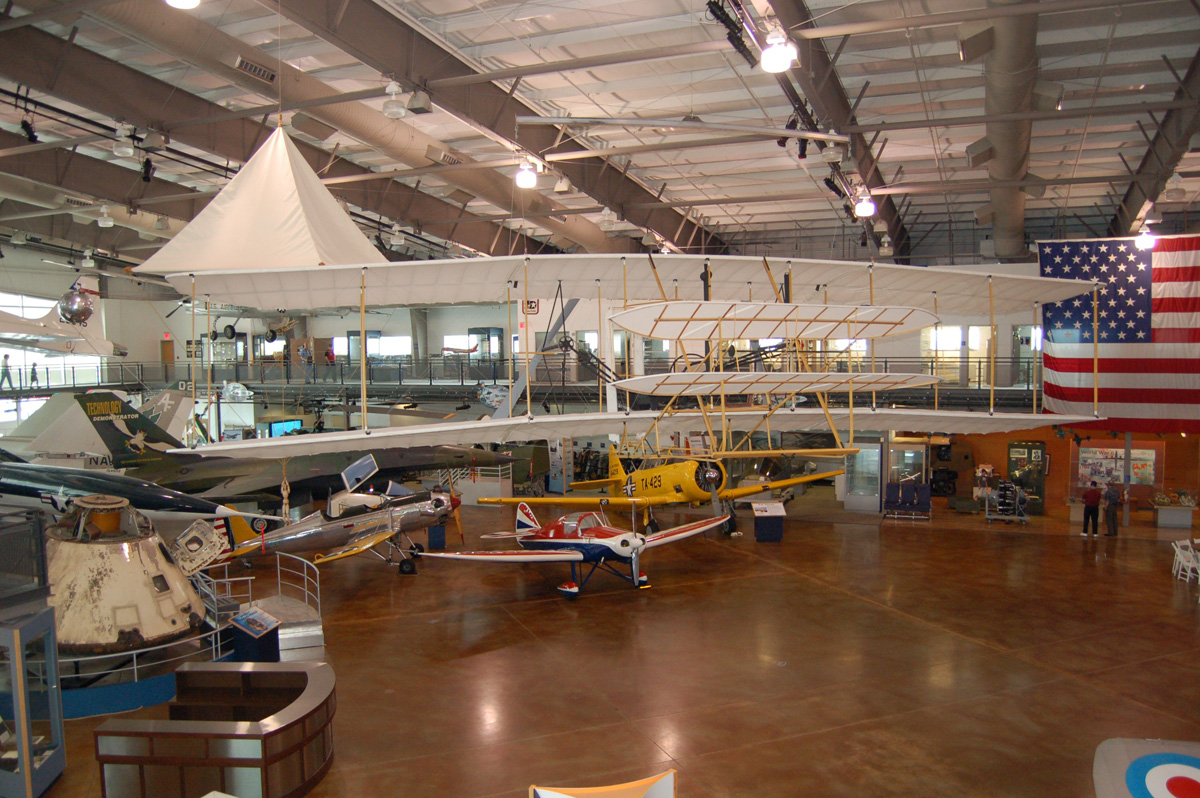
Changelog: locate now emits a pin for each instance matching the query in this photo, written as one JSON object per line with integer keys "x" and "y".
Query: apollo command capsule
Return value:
{"x": 113, "y": 585}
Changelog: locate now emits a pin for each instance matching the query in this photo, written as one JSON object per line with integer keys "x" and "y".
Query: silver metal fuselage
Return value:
{"x": 319, "y": 532}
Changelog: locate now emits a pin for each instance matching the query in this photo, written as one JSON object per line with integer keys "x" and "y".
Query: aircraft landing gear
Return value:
{"x": 406, "y": 567}
{"x": 730, "y": 527}
{"x": 652, "y": 527}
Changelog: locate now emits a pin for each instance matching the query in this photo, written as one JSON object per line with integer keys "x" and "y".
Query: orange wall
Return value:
{"x": 1182, "y": 455}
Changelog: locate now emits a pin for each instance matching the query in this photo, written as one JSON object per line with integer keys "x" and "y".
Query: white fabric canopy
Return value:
{"x": 526, "y": 428}
{"x": 713, "y": 383}
{"x": 615, "y": 277}
{"x": 274, "y": 215}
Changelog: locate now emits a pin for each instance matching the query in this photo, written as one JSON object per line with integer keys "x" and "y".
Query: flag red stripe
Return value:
{"x": 1173, "y": 335}
{"x": 1122, "y": 365}
{"x": 1163, "y": 396}
{"x": 1175, "y": 304}
{"x": 1180, "y": 274}
{"x": 1184, "y": 244}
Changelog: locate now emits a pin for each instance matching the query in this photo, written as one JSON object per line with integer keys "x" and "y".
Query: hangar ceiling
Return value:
{"x": 1060, "y": 118}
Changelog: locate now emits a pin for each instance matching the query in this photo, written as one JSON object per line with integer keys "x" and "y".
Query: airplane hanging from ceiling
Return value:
{"x": 63, "y": 329}
{"x": 577, "y": 538}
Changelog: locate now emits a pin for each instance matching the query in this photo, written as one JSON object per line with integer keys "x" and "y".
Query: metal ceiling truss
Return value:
{"x": 52, "y": 65}
{"x": 368, "y": 32}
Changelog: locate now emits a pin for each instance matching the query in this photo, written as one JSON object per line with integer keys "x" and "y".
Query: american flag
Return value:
{"x": 1149, "y": 333}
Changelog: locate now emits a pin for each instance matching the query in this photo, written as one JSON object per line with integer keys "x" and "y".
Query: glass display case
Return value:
{"x": 863, "y": 477}
{"x": 1027, "y": 464}
{"x": 31, "y": 728}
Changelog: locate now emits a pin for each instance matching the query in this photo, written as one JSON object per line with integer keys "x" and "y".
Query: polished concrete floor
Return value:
{"x": 852, "y": 659}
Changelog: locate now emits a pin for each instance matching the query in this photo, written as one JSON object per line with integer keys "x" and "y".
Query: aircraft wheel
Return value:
{"x": 230, "y": 332}
{"x": 418, "y": 548}
{"x": 270, "y": 336}
{"x": 407, "y": 567}
{"x": 652, "y": 526}
{"x": 730, "y": 526}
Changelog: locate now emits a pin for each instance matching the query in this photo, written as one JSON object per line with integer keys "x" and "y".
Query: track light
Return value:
{"x": 186, "y": 5}
{"x": 526, "y": 176}
{"x": 865, "y": 207}
{"x": 30, "y": 133}
{"x": 123, "y": 146}
{"x": 148, "y": 170}
{"x": 780, "y": 52}
{"x": 105, "y": 220}
{"x": 1145, "y": 239}
{"x": 546, "y": 405}
{"x": 393, "y": 106}
{"x": 832, "y": 185}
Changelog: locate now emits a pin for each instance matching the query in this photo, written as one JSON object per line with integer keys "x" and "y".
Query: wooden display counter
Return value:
{"x": 252, "y": 729}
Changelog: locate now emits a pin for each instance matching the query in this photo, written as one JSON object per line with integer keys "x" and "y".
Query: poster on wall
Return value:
{"x": 1108, "y": 465}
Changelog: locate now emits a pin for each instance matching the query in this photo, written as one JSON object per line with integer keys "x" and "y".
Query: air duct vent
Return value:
{"x": 77, "y": 202}
{"x": 265, "y": 74}
{"x": 441, "y": 156}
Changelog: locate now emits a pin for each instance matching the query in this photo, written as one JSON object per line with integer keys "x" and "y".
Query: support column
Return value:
{"x": 1128, "y": 476}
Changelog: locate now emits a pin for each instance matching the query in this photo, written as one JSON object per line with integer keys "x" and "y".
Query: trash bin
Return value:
{"x": 437, "y": 537}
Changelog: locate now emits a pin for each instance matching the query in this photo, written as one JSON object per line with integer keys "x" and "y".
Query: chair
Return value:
{"x": 924, "y": 504}
{"x": 1186, "y": 563}
{"x": 891, "y": 497}
{"x": 908, "y": 496}
{"x": 660, "y": 786}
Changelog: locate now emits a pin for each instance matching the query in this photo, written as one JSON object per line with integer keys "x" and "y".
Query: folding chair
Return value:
{"x": 1186, "y": 564}
{"x": 660, "y": 786}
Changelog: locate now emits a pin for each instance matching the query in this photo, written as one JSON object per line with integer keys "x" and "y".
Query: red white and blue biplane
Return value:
{"x": 585, "y": 538}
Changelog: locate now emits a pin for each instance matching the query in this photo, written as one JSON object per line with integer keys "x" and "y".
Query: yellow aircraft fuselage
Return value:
{"x": 684, "y": 481}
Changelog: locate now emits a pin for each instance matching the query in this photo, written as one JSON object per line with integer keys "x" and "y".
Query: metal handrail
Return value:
{"x": 310, "y": 585}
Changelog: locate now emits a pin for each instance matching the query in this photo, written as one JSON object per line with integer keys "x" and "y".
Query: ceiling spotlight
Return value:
{"x": 123, "y": 146}
{"x": 780, "y": 52}
{"x": 148, "y": 170}
{"x": 1175, "y": 191}
{"x": 526, "y": 176}
{"x": 185, "y": 5}
{"x": 420, "y": 103}
{"x": 562, "y": 185}
{"x": 393, "y": 106}
{"x": 1145, "y": 239}
{"x": 865, "y": 207}
{"x": 885, "y": 247}
{"x": 30, "y": 134}
{"x": 154, "y": 141}
{"x": 105, "y": 220}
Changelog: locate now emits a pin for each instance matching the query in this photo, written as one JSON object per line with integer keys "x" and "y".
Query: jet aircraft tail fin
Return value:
{"x": 131, "y": 438}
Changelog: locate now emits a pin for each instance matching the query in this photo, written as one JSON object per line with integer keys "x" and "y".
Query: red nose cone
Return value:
{"x": 455, "y": 502}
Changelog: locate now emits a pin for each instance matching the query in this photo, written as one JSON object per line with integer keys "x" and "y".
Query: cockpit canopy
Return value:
{"x": 580, "y": 523}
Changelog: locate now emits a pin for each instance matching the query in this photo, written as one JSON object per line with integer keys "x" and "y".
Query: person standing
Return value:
{"x": 305, "y": 358}
{"x": 330, "y": 362}
{"x": 1091, "y": 510}
{"x": 1112, "y": 502}
{"x": 33, "y": 376}
{"x": 5, "y": 374}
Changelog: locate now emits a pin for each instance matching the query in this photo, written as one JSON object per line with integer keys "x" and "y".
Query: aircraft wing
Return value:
{"x": 591, "y": 502}
{"x": 683, "y": 532}
{"x": 357, "y": 547}
{"x": 730, "y": 494}
{"x": 598, "y": 484}
{"x": 519, "y": 555}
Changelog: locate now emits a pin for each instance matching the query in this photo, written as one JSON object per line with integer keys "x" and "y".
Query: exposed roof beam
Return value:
{"x": 369, "y": 32}
{"x": 829, "y": 102}
{"x": 30, "y": 57}
{"x": 954, "y": 17}
{"x": 1163, "y": 155}
{"x": 1125, "y": 109}
{"x": 60, "y": 10}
